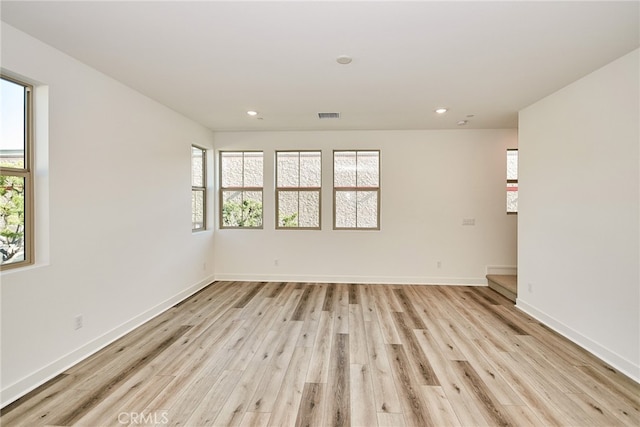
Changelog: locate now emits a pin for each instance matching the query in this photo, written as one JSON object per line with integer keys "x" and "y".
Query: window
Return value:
{"x": 198, "y": 188}
{"x": 356, "y": 190}
{"x": 16, "y": 174}
{"x": 298, "y": 182}
{"x": 241, "y": 181}
{"x": 512, "y": 181}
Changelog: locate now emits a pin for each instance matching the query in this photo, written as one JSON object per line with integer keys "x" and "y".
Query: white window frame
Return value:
{"x": 510, "y": 186}
{"x": 356, "y": 189}
{"x": 27, "y": 174}
{"x": 199, "y": 189}
{"x": 298, "y": 189}
{"x": 242, "y": 189}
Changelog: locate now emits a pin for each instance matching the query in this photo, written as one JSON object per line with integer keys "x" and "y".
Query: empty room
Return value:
{"x": 295, "y": 213}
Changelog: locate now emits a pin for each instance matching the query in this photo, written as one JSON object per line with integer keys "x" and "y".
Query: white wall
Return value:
{"x": 430, "y": 181}
{"x": 116, "y": 243}
{"x": 579, "y": 217}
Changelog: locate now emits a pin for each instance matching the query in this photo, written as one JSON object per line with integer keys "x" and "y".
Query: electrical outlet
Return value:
{"x": 78, "y": 321}
{"x": 276, "y": 262}
{"x": 530, "y": 287}
{"x": 439, "y": 264}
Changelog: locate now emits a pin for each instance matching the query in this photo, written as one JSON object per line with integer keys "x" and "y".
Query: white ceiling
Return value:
{"x": 213, "y": 61}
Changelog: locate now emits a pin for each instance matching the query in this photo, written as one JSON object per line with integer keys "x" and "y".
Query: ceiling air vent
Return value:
{"x": 328, "y": 115}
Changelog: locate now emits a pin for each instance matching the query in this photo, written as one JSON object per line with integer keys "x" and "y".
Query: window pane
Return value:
{"x": 242, "y": 209}
{"x": 311, "y": 169}
{"x": 12, "y": 117}
{"x": 309, "y": 209}
{"x": 512, "y": 197}
{"x": 288, "y": 169}
{"x": 288, "y": 209}
{"x": 12, "y": 224}
{"x": 231, "y": 169}
{"x": 197, "y": 167}
{"x": 512, "y": 164}
{"x": 368, "y": 169}
{"x": 252, "y": 209}
{"x": 253, "y": 170}
{"x": 344, "y": 169}
{"x": 231, "y": 208}
{"x": 197, "y": 209}
{"x": 367, "y": 209}
{"x": 345, "y": 209}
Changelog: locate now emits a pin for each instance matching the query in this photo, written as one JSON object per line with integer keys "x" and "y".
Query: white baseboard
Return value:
{"x": 41, "y": 376}
{"x": 625, "y": 366}
{"x": 391, "y": 280}
{"x": 502, "y": 269}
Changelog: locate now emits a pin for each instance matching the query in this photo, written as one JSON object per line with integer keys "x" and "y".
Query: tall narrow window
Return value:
{"x": 512, "y": 181}
{"x": 298, "y": 182}
{"x": 356, "y": 190}
{"x": 198, "y": 188}
{"x": 241, "y": 182}
{"x": 16, "y": 174}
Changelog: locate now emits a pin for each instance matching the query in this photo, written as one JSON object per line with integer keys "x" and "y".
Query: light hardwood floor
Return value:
{"x": 280, "y": 354}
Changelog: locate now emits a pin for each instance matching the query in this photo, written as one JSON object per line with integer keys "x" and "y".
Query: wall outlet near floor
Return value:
{"x": 530, "y": 287}
{"x": 276, "y": 262}
{"x": 77, "y": 322}
{"x": 439, "y": 264}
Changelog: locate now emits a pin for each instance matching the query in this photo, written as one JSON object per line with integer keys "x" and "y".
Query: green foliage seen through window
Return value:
{"x": 245, "y": 214}
{"x": 11, "y": 216}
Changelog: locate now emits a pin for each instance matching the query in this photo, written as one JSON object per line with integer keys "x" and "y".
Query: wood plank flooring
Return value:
{"x": 505, "y": 284}
{"x": 292, "y": 354}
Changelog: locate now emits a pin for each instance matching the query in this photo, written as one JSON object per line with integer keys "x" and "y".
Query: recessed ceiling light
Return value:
{"x": 252, "y": 113}
{"x": 441, "y": 110}
{"x": 462, "y": 122}
{"x": 344, "y": 59}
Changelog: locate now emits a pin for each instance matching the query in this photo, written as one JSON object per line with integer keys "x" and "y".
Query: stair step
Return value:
{"x": 505, "y": 284}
